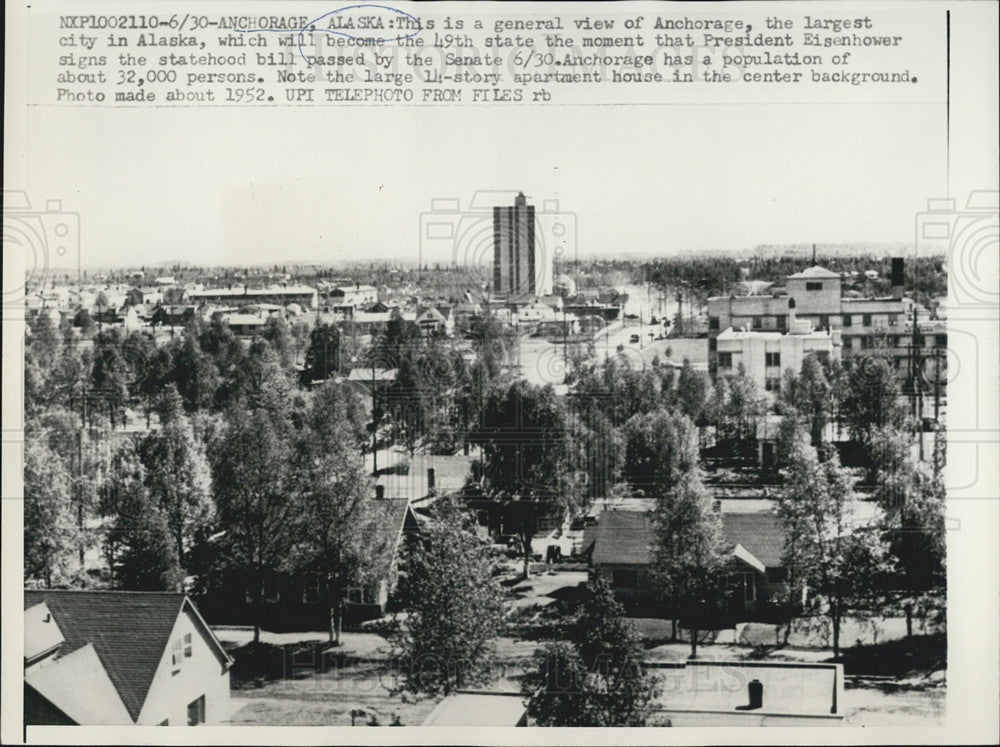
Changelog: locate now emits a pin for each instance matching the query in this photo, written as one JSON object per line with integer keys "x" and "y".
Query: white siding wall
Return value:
{"x": 202, "y": 674}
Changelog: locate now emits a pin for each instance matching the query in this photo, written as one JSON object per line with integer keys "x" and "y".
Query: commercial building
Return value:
{"x": 765, "y": 356}
{"x": 242, "y": 295}
{"x": 815, "y": 296}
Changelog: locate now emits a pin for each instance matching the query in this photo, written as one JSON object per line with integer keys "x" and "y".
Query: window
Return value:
{"x": 824, "y": 321}
{"x": 196, "y": 712}
{"x": 310, "y": 589}
{"x": 781, "y": 322}
{"x": 814, "y": 286}
{"x": 772, "y": 359}
{"x": 725, "y": 360}
{"x": 359, "y": 595}
{"x": 894, "y": 341}
{"x": 188, "y": 648}
{"x": 866, "y": 320}
{"x": 772, "y": 384}
{"x": 848, "y": 320}
{"x": 271, "y": 593}
{"x": 823, "y": 356}
{"x": 758, "y": 322}
{"x": 941, "y": 341}
{"x": 749, "y": 587}
{"x": 713, "y": 322}
{"x": 176, "y": 656}
{"x": 624, "y": 580}
{"x": 713, "y": 344}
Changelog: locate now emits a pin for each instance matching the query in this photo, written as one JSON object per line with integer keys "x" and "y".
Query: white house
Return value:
{"x": 120, "y": 657}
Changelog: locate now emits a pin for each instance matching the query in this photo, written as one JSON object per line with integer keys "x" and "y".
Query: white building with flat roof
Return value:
{"x": 765, "y": 356}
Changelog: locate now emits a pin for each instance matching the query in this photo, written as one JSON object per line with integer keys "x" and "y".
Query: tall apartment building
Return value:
{"x": 514, "y": 254}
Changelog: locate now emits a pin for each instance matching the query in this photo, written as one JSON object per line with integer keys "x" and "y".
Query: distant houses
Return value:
{"x": 118, "y": 657}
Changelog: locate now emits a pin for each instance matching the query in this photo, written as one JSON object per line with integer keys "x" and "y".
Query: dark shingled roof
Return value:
{"x": 761, "y": 534}
{"x": 625, "y": 537}
{"x": 128, "y": 629}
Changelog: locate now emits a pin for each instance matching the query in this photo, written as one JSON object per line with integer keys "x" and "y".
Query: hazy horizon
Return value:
{"x": 256, "y": 188}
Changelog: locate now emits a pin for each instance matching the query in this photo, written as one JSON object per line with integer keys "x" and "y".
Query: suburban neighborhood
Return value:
{"x": 537, "y": 492}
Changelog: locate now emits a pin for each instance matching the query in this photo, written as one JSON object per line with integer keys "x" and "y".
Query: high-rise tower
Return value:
{"x": 514, "y": 249}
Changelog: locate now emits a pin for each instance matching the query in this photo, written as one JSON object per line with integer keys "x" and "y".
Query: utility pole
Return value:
{"x": 375, "y": 419}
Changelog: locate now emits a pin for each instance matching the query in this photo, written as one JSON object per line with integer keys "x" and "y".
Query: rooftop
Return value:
{"x": 467, "y": 708}
{"x": 129, "y": 632}
{"x": 626, "y": 537}
{"x": 816, "y": 273}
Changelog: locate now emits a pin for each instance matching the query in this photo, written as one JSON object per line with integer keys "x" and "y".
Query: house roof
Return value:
{"x": 626, "y": 537}
{"x": 478, "y": 709}
{"x": 129, "y": 631}
{"x": 411, "y": 481}
{"x": 365, "y": 374}
{"x": 41, "y": 631}
{"x": 815, "y": 272}
{"x": 392, "y": 522}
{"x": 622, "y": 537}
{"x": 760, "y": 533}
{"x": 79, "y": 686}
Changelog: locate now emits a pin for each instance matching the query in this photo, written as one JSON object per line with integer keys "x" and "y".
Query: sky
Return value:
{"x": 326, "y": 184}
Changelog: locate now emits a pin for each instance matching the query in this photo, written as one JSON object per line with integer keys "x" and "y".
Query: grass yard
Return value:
{"x": 328, "y": 698}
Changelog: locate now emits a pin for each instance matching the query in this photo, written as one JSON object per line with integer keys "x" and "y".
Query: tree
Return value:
{"x": 598, "y": 679}
{"x": 178, "y": 479}
{"x": 323, "y": 354}
{"x": 871, "y": 398}
{"x": 912, "y": 497}
{"x": 333, "y": 406}
{"x": 810, "y": 393}
{"x": 688, "y": 554}
{"x": 140, "y": 551}
{"x": 693, "y": 394}
{"x": 194, "y": 374}
{"x": 111, "y": 373}
{"x": 339, "y": 532}
{"x": 263, "y": 383}
{"x": 454, "y": 604}
{"x": 49, "y": 530}
{"x": 279, "y": 336}
{"x": 827, "y": 551}
{"x": 661, "y": 448}
{"x": 746, "y": 406}
{"x": 147, "y": 560}
{"x": 528, "y": 458}
{"x": 250, "y": 482}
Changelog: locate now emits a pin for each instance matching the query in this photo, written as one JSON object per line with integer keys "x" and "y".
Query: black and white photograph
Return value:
{"x": 499, "y": 368}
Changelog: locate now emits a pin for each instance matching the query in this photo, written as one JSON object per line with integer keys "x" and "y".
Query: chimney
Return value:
{"x": 380, "y": 491}
{"x": 430, "y": 479}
